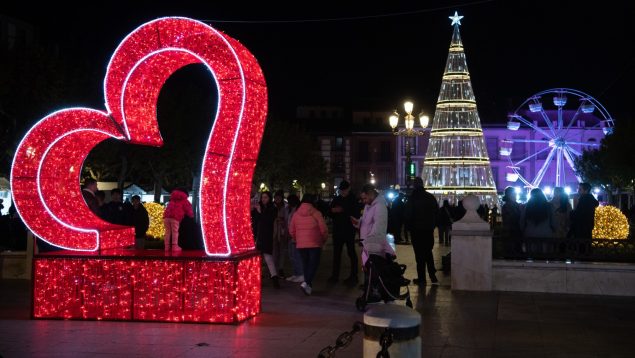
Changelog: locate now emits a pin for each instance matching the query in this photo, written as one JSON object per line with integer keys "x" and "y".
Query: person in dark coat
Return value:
{"x": 265, "y": 214}
{"x": 444, "y": 223}
{"x": 536, "y": 219}
{"x": 420, "y": 213}
{"x": 342, "y": 208}
{"x": 138, "y": 216}
{"x": 583, "y": 216}
{"x": 395, "y": 218}
{"x": 116, "y": 211}
{"x": 88, "y": 192}
{"x": 510, "y": 214}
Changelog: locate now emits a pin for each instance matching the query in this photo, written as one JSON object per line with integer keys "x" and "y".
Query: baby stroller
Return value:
{"x": 383, "y": 282}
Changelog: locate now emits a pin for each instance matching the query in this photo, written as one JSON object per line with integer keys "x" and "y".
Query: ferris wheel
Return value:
{"x": 556, "y": 125}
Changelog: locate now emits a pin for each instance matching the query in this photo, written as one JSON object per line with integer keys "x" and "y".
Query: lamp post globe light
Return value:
{"x": 408, "y": 131}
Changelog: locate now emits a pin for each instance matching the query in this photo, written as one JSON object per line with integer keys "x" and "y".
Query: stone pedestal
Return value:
{"x": 404, "y": 324}
{"x": 471, "y": 250}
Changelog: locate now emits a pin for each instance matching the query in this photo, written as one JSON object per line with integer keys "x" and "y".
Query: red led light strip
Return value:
{"x": 48, "y": 196}
{"x": 146, "y": 289}
{"x": 46, "y": 171}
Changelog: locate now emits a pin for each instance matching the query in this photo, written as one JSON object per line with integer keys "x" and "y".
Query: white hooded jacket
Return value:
{"x": 373, "y": 227}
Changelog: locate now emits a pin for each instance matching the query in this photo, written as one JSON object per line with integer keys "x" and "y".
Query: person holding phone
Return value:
{"x": 373, "y": 224}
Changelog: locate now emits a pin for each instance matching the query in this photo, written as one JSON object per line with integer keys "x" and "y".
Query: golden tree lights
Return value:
{"x": 610, "y": 223}
{"x": 456, "y": 162}
{"x": 156, "y": 230}
{"x": 45, "y": 180}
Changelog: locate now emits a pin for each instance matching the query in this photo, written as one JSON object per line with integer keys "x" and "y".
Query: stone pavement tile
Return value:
{"x": 571, "y": 354}
{"x": 479, "y": 335}
{"x": 515, "y": 307}
{"x": 461, "y": 352}
{"x": 206, "y": 352}
{"x": 557, "y": 312}
{"x": 432, "y": 336}
{"x": 431, "y": 352}
{"x": 612, "y": 353}
{"x": 602, "y": 335}
{"x": 519, "y": 352}
{"x": 566, "y": 337}
{"x": 517, "y": 335}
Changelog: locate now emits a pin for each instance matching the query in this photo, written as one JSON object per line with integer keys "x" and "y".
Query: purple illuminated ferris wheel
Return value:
{"x": 548, "y": 131}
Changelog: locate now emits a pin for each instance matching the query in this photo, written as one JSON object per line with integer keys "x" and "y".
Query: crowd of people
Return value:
{"x": 540, "y": 218}
{"x": 116, "y": 211}
{"x": 297, "y": 230}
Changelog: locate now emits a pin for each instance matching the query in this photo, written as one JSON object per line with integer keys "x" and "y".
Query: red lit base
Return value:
{"x": 146, "y": 286}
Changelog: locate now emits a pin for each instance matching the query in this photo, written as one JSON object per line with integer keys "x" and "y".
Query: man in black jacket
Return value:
{"x": 342, "y": 208}
{"x": 420, "y": 214}
{"x": 583, "y": 216}
{"x": 116, "y": 211}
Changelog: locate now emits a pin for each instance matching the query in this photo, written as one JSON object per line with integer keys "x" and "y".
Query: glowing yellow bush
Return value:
{"x": 155, "y": 212}
{"x": 610, "y": 223}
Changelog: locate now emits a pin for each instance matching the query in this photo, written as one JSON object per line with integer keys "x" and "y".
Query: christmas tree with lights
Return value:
{"x": 456, "y": 162}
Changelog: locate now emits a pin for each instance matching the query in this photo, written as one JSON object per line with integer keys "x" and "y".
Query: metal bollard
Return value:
{"x": 402, "y": 324}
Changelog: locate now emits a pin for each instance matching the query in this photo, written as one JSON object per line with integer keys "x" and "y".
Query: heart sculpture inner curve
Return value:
{"x": 47, "y": 166}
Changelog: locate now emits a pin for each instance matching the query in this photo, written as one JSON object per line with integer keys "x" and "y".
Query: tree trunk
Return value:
{"x": 122, "y": 172}
{"x": 158, "y": 189}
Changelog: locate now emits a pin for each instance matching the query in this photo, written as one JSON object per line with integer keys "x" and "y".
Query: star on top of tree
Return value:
{"x": 456, "y": 19}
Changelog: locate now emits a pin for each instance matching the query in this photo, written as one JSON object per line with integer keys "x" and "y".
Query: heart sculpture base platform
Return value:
{"x": 146, "y": 285}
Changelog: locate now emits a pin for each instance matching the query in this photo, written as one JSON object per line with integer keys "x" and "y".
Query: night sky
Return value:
{"x": 514, "y": 48}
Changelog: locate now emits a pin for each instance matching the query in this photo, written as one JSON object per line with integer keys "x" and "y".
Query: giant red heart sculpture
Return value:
{"x": 47, "y": 165}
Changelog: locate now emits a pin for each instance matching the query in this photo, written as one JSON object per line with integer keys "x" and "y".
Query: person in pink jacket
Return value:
{"x": 178, "y": 207}
{"x": 308, "y": 230}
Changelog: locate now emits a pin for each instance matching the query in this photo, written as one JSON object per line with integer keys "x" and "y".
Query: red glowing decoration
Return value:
{"x": 48, "y": 196}
{"x": 46, "y": 173}
{"x": 183, "y": 289}
{"x": 45, "y": 181}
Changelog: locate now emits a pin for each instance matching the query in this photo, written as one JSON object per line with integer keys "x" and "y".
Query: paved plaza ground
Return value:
{"x": 455, "y": 324}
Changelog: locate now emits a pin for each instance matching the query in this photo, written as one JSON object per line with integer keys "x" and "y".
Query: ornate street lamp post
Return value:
{"x": 408, "y": 132}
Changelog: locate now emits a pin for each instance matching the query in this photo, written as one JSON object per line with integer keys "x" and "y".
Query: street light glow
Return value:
{"x": 393, "y": 120}
{"x": 567, "y": 189}
{"x": 424, "y": 120}
{"x": 408, "y": 106}
{"x": 408, "y": 132}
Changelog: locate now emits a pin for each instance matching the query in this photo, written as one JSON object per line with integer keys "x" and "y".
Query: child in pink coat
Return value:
{"x": 177, "y": 208}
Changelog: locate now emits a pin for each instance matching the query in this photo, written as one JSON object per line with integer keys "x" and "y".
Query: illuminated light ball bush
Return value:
{"x": 156, "y": 230}
{"x": 610, "y": 224}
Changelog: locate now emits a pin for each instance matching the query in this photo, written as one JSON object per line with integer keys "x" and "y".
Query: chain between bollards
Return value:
{"x": 385, "y": 340}
{"x": 343, "y": 341}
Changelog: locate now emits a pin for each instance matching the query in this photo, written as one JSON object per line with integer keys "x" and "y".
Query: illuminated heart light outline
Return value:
{"x": 137, "y": 70}
{"x": 36, "y": 175}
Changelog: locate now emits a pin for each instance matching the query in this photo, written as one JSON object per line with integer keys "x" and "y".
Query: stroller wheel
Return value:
{"x": 409, "y": 302}
{"x": 360, "y": 303}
